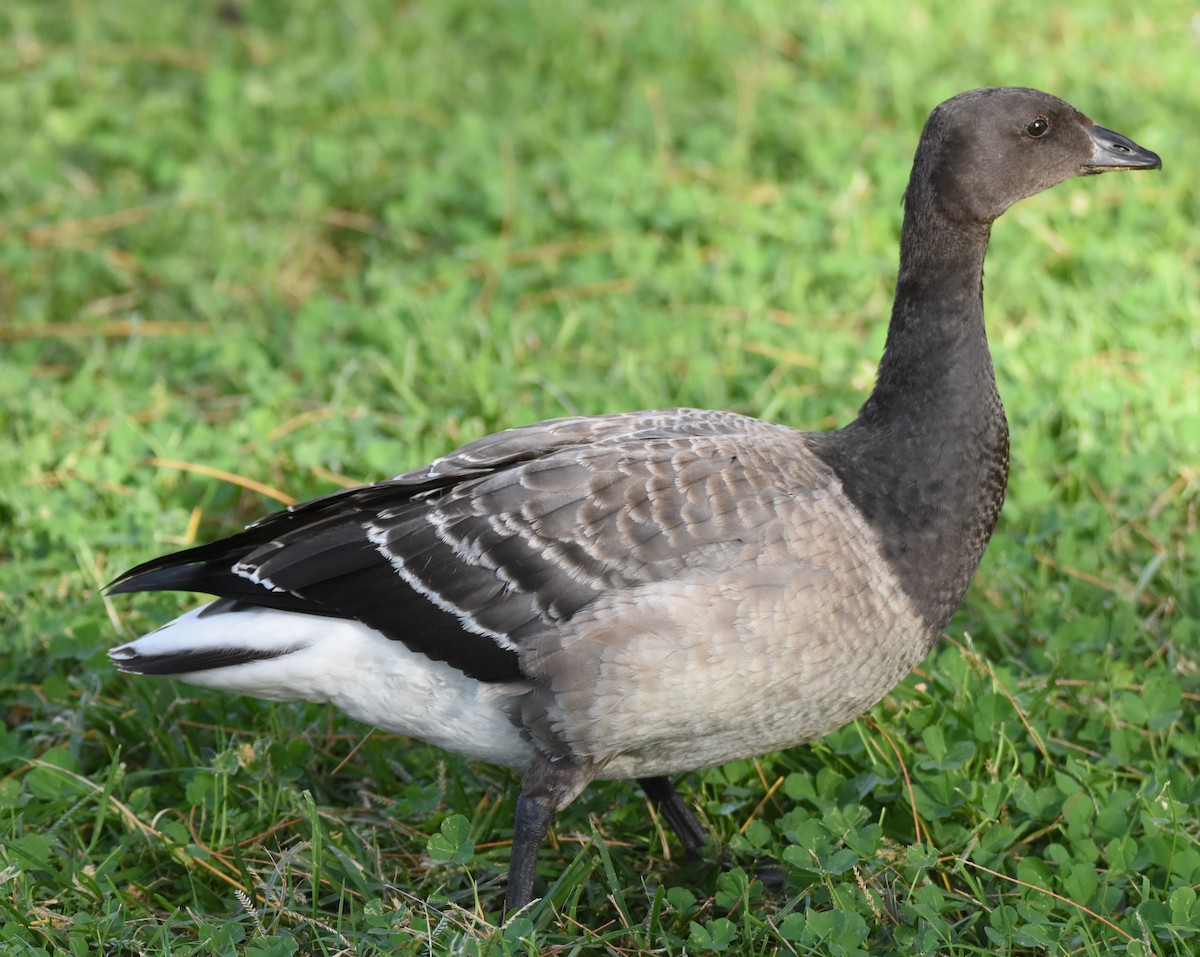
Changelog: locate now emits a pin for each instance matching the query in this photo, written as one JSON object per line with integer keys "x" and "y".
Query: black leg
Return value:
{"x": 677, "y": 813}
{"x": 549, "y": 786}
{"x": 532, "y": 822}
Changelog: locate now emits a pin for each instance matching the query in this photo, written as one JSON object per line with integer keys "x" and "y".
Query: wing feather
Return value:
{"x": 467, "y": 559}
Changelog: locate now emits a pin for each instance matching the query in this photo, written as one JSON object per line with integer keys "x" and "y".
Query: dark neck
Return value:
{"x": 936, "y": 350}
{"x": 926, "y": 461}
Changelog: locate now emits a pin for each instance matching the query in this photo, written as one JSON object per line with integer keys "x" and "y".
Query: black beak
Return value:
{"x": 1114, "y": 151}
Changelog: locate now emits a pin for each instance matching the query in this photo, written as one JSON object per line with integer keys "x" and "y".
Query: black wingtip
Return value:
{"x": 207, "y": 569}
{"x": 152, "y": 576}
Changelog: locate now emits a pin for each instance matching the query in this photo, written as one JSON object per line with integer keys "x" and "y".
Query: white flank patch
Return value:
{"x": 355, "y": 668}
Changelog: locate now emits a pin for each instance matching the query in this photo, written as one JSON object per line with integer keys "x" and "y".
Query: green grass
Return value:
{"x": 311, "y": 243}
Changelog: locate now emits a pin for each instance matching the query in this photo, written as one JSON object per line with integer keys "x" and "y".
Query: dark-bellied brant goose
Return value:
{"x": 637, "y": 595}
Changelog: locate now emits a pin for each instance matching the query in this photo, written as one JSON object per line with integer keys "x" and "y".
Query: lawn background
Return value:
{"x": 313, "y": 244}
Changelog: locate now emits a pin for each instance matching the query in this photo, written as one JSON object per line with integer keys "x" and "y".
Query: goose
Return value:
{"x": 594, "y": 597}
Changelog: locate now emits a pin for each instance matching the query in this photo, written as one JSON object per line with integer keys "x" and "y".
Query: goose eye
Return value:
{"x": 1037, "y": 127}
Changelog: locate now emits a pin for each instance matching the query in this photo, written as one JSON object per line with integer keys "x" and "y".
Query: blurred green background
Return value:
{"x": 311, "y": 244}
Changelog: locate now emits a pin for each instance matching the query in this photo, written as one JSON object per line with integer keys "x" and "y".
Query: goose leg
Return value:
{"x": 529, "y": 830}
{"x": 677, "y": 813}
{"x": 548, "y": 786}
